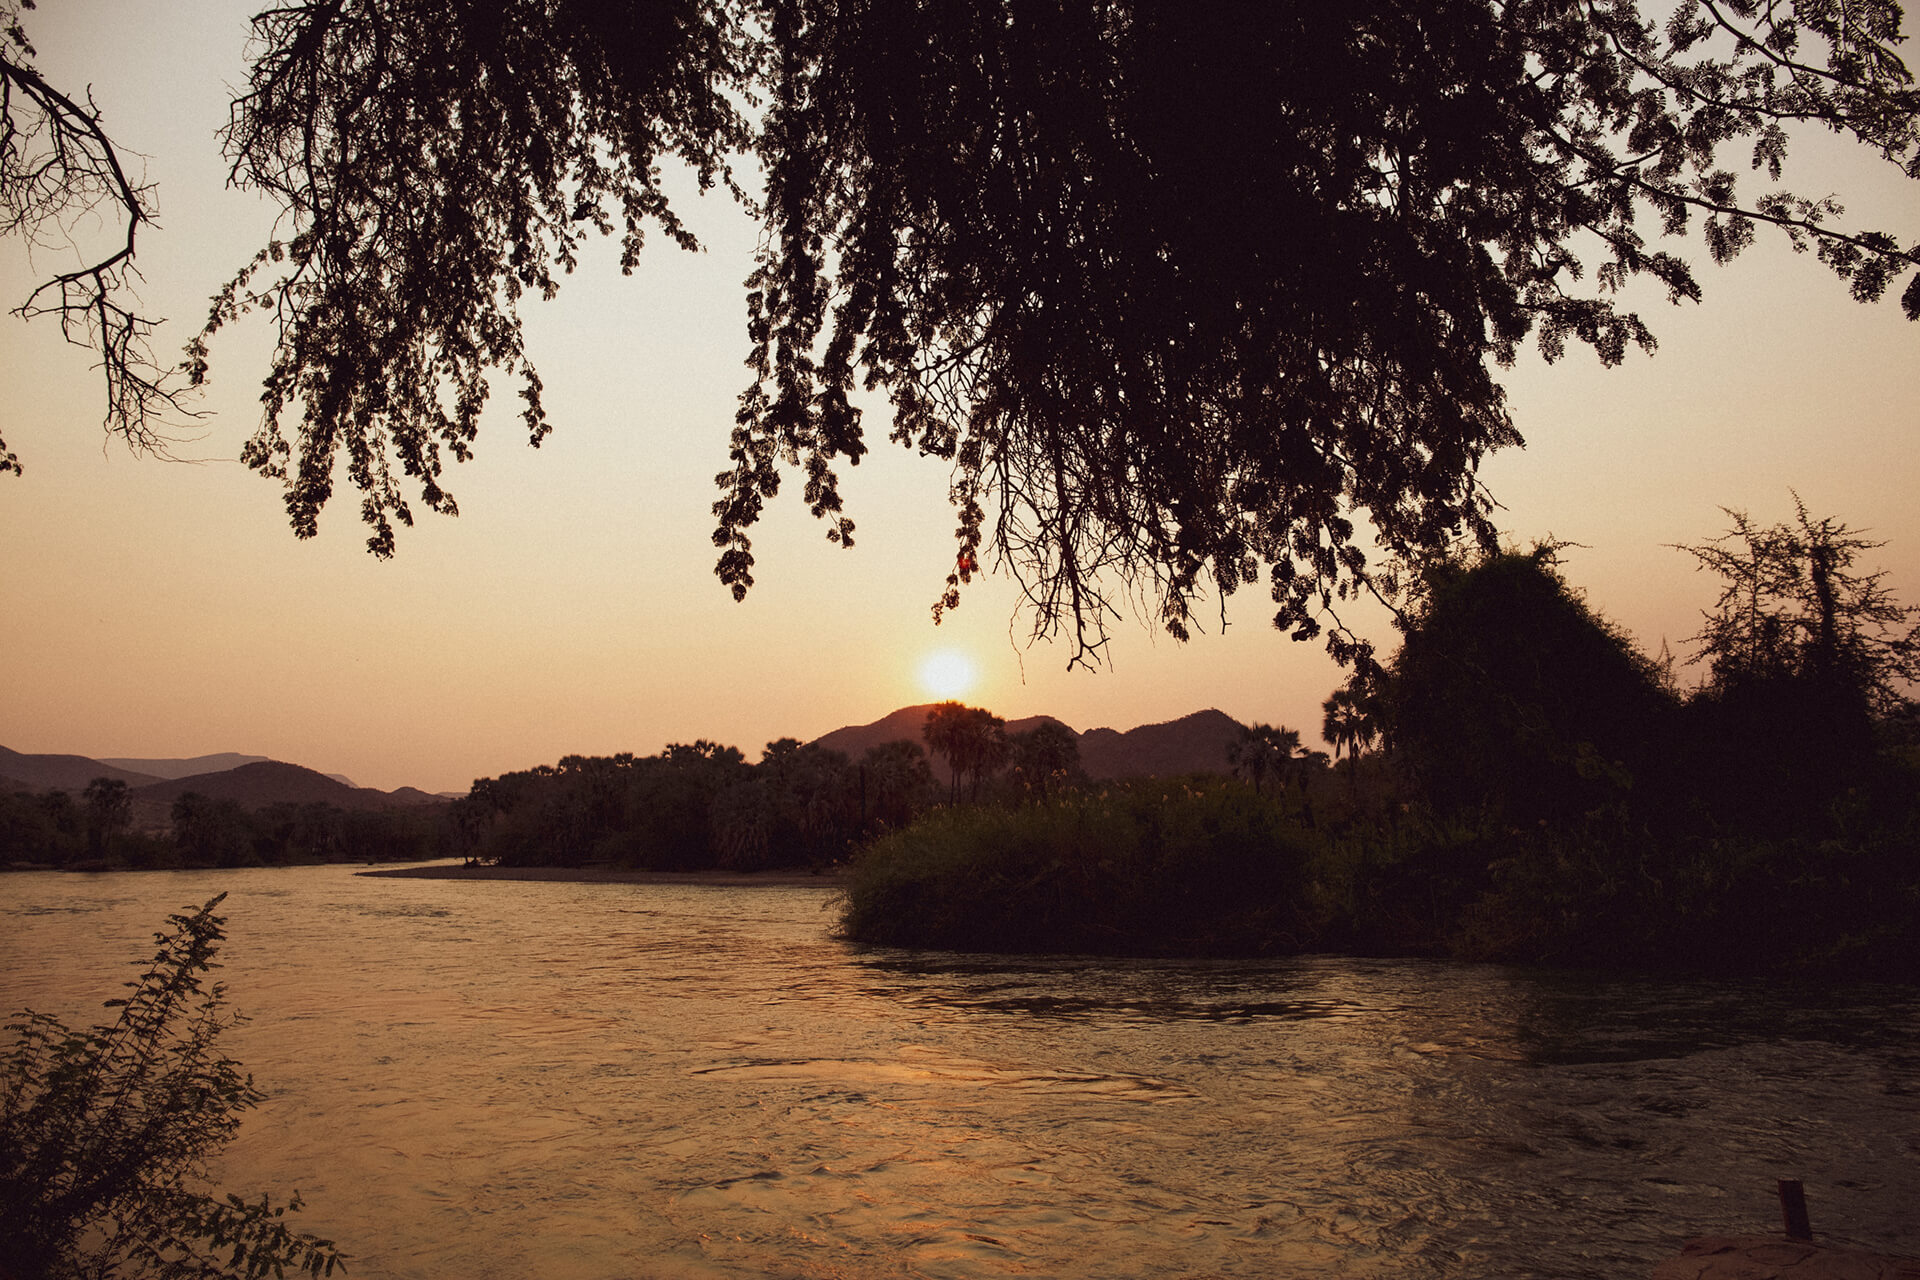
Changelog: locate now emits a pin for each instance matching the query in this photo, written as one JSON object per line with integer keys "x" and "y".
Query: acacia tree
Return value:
{"x": 1792, "y": 607}
{"x": 58, "y": 167}
{"x": 1184, "y": 295}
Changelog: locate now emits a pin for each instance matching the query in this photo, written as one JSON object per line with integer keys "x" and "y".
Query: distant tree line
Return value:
{"x": 95, "y": 830}
{"x": 702, "y": 805}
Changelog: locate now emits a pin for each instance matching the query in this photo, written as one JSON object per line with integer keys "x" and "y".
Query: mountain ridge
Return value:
{"x": 65, "y": 772}
{"x": 1193, "y": 743}
{"x": 254, "y": 784}
{"x": 174, "y": 767}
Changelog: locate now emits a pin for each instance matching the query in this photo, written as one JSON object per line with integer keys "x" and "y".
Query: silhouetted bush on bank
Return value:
{"x": 1195, "y": 866}
{"x": 1208, "y": 868}
{"x": 105, "y": 1135}
{"x": 1601, "y": 893}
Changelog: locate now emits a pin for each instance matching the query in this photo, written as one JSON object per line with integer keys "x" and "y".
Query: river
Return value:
{"x": 599, "y": 1081}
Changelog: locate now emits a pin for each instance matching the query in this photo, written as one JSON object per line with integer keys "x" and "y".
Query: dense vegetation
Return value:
{"x": 695, "y": 806}
{"x": 702, "y": 805}
{"x": 1542, "y": 792}
{"x": 96, "y": 831}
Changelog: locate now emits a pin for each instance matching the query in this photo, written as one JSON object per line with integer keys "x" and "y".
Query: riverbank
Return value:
{"x": 613, "y": 875}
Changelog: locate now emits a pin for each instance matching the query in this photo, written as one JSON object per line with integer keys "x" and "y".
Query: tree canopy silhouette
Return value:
{"x": 1509, "y": 694}
{"x": 972, "y": 739}
{"x": 1185, "y": 295}
{"x": 58, "y": 165}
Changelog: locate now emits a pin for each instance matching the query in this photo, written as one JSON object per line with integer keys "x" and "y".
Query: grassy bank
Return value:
{"x": 1149, "y": 868}
{"x": 1209, "y": 867}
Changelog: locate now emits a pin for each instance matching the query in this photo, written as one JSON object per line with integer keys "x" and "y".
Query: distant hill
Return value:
{"x": 266, "y": 782}
{"x": 903, "y": 725}
{"x": 64, "y": 773}
{"x": 192, "y": 766}
{"x": 1192, "y": 744}
{"x": 186, "y": 768}
{"x": 253, "y": 784}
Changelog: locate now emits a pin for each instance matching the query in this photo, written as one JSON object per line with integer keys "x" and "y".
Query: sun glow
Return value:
{"x": 946, "y": 673}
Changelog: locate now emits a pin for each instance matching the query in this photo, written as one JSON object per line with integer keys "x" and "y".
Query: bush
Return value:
{"x": 102, "y": 1131}
{"x": 1147, "y": 868}
{"x": 1509, "y": 694}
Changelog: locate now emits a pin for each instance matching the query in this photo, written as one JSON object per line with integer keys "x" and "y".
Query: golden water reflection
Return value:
{"x": 598, "y": 1081}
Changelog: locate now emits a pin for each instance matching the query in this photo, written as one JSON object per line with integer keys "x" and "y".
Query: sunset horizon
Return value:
{"x": 652, "y": 639}
{"x": 571, "y": 607}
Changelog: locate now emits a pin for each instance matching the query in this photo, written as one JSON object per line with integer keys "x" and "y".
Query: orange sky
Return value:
{"x": 163, "y": 609}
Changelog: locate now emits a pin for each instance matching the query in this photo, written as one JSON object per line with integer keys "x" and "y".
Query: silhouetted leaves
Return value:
{"x": 436, "y": 162}
{"x": 1182, "y": 291}
{"x": 1185, "y": 295}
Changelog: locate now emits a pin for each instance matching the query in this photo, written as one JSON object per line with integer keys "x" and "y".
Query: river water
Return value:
{"x": 588, "y": 1081}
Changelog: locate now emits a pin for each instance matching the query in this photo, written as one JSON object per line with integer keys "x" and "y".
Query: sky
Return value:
{"x": 156, "y": 609}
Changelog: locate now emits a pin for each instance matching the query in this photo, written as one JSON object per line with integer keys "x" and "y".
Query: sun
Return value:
{"x": 946, "y": 673}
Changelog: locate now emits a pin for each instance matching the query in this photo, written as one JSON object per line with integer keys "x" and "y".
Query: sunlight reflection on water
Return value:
{"x": 597, "y": 1081}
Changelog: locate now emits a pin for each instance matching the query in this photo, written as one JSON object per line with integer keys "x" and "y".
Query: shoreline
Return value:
{"x": 835, "y": 879}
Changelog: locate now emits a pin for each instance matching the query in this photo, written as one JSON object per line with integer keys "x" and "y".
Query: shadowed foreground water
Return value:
{"x": 561, "y": 1081}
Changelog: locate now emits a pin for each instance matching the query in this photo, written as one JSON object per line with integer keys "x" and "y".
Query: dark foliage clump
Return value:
{"x": 1176, "y": 867}
{"x": 52, "y": 829}
{"x": 1510, "y": 695}
{"x": 695, "y": 806}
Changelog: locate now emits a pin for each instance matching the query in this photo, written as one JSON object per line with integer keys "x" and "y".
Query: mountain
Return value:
{"x": 64, "y": 773}
{"x": 903, "y": 725}
{"x": 266, "y": 782}
{"x": 187, "y": 768}
{"x": 254, "y": 783}
{"x": 1192, "y": 744}
{"x": 192, "y": 766}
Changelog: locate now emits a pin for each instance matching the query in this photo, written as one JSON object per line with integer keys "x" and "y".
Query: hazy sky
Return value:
{"x": 163, "y": 609}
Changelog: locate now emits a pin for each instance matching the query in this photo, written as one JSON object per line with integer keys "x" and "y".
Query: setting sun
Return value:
{"x": 946, "y": 673}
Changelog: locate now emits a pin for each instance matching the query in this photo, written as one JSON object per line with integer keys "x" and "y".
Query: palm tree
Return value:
{"x": 109, "y": 808}
{"x": 1350, "y": 725}
{"x": 973, "y": 740}
{"x": 1263, "y": 751}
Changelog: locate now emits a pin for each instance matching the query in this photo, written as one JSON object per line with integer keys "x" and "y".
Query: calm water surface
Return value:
{"x": 563, "y": 1081}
